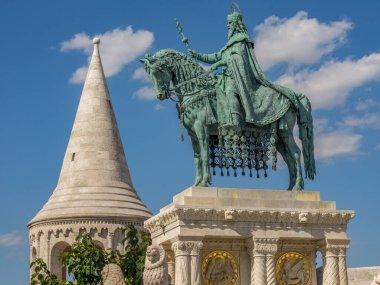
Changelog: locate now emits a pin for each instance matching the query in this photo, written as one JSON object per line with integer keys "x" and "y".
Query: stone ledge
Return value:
{"x": 256, "y": 194}
{"x": 362, "y": 275}
{"x": 178, "y": 213}
{"x": 219, "y": 198}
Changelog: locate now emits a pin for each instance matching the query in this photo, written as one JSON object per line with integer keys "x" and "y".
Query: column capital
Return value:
{"x": 334, "y": 247}
{"x": 265, "y": 245}
{"x": 169, "y": 252}
{"x": 187, "y": 247}
{"x": 196, "y": 248}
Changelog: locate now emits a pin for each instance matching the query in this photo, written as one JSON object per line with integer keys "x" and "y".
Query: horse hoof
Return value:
{"x": 297, "y": 189}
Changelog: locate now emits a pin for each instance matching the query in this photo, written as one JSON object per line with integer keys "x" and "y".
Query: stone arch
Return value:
{"x": 34, "y": 253}
{"x": 117, "y": 240}
{"x": 55, "y": 261}
{"x": 98, "y": 244}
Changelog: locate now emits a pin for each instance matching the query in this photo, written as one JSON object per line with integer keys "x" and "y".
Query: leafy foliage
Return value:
{"x": 85, "y": 261}
{"x": 132, "y": 262}
{"x": 42, "y": 276}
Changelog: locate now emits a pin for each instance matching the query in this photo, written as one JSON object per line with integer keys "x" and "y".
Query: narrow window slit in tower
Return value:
{"x": 109, "y": 102}
{"x": 73, "y": 156}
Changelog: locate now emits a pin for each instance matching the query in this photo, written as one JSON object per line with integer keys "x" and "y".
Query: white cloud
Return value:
{"x": 366, "y": 104}
{"x": 158, "y": 107}
{"x": 145, "y": 93}
{"x": 298, "y": 40}
{"x": 79, "y": 75}
{"x": 10, "y": 239}
{"x": 366, "y": 121}
{"x": 118, "y": 48}
{"x": 330, "y": 85}
{"x": 330, "y": 142}
{"x": 140, "y": 74}
{"x": 337, "y": 144}
{"x": 80, "y": 41}
{"x": 320, "y": 125}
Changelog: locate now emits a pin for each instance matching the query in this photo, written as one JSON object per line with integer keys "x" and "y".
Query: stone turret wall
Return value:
{"x": 362, "y": 275}
{"x": 356, "y": 276}
{"x": 94, "y": 193}
{"x": 49, "y": 240}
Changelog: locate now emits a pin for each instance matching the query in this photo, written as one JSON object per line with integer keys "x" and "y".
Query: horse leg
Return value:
{"x": 197, "y": 158}
{"x": 295, "y": 152}
{"x": 292, "y": 148}
{"x": 289, "y": 162}
{"x": 203, "y": 138}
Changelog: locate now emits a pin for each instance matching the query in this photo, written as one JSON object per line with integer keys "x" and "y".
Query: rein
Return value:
{"x": 207, "y": 73}
{"x": 182, "y": 103}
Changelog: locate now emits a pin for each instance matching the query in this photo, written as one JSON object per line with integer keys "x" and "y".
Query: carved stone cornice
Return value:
{"x": 69, "y": 228}
{"x": 182, "y": 214}
{"x": 89, "y": 220}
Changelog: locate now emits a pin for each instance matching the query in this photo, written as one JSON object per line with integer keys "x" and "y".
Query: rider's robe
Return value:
{"x": 263, "y": 101}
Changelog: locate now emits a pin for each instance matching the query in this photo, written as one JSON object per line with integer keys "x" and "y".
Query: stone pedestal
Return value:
{"x": 252, "y": 237}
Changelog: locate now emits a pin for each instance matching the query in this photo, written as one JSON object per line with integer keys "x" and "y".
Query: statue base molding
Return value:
{"x": 247, "y": 236}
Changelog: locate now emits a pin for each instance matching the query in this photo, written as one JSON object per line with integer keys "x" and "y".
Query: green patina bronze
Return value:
{"x": 236, "y": 119}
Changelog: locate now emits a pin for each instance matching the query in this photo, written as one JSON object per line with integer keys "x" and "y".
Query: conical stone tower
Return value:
{"x": 94, "y": 193}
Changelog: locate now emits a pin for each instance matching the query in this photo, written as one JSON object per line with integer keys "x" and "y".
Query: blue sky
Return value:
{"x": 328, "y": 49}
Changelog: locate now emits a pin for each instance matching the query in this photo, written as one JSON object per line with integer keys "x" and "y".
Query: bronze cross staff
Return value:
{"x": 180, "y": 31}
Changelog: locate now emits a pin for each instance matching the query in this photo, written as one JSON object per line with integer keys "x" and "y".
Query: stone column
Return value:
{"x": 259, "y": 270}
{"x": 264, "y": 253}
{"x": 342, "y": 266}
{"x": 47, "y": 250}
{"x": 171, "y": 265}
{"x": 110, "y": 240}
{"x": 250, "y": 249}
{"x": 195, "y": 261}
{"x": 271, "y": 264}
{"x": 330, "y": 268}
{"x": 182, "y": 263}
{"x": 334, "y": 262}
{"x": 31, "y": 270}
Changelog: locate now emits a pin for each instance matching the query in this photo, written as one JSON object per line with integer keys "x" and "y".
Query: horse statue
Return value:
{"x": 249, "y": 146}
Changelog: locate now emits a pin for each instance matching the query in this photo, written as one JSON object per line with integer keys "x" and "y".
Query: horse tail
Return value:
{"x": 306, "y": 134}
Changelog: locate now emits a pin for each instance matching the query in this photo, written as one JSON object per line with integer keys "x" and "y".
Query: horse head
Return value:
{"x": 159, "y": 72}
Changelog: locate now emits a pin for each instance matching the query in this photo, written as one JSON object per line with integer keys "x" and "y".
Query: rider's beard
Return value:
{"x": 231, "y": 31}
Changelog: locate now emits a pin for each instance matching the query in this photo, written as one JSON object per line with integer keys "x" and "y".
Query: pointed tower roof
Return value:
{"x": 94, "y": 179}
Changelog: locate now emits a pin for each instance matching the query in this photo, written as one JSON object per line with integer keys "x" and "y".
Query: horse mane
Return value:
{"x": 178, "y": 60}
